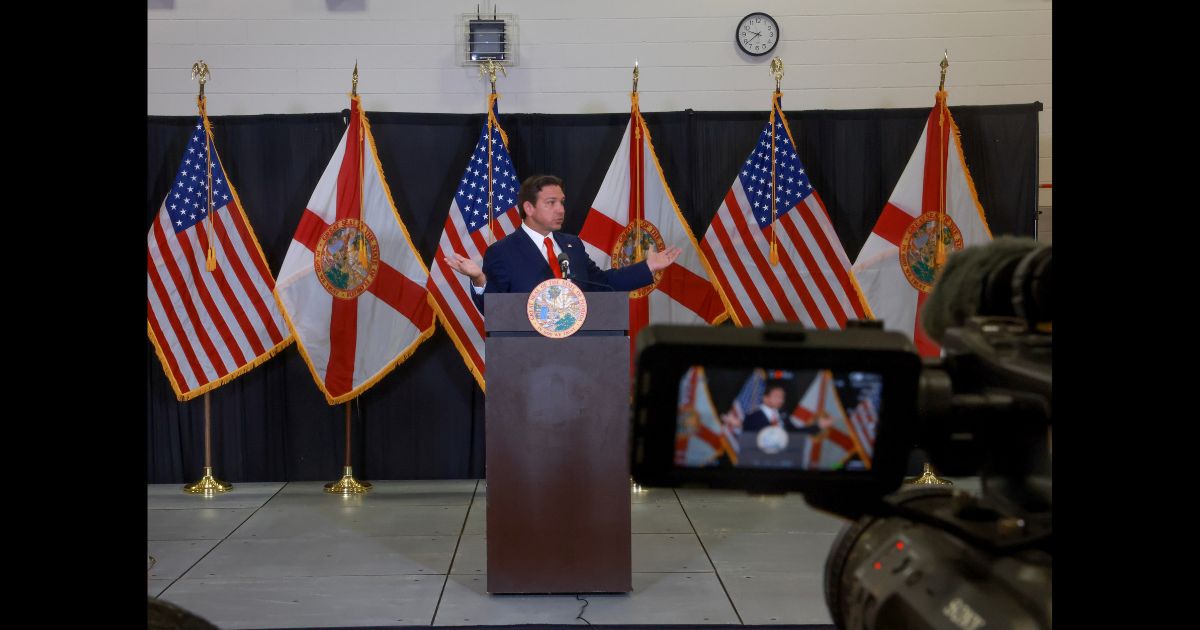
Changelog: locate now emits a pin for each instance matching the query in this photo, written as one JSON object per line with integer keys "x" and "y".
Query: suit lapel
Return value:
{"x": 535, "y": 257}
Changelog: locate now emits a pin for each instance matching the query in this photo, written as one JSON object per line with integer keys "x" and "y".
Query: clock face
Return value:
{"x": 757, "y": 34}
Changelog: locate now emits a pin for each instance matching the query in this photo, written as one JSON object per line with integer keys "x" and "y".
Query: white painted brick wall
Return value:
{"x": 295, "y": 56}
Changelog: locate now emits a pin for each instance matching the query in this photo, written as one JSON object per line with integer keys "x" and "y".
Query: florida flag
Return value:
{"x": 699, "y": 436}
{"x": 634, "y": 213}
{"x": 832, "y": 448}
{"x": 898, "y": 264}
{"x": 352, "y": 284}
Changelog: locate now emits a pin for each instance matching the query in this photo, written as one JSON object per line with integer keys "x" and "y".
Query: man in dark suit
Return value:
{"x": 764, "y": 433}
{"x": 769, "y": 413}
{"x": 527, "y": 257}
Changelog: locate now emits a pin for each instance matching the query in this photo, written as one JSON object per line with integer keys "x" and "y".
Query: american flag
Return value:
{"x": 812, "y": 282}
{"x": 751, "y": 394}
{"x": 208, "y": 327}
{"x": 863, "y": 418}
{"x": 465, "y": 233}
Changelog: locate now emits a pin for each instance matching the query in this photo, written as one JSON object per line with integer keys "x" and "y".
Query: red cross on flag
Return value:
{"x": 352, "y": 284}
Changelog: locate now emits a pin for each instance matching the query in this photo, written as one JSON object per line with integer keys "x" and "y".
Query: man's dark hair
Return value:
{"x": 772, "y": 386}
{"x": 532, "y": 186}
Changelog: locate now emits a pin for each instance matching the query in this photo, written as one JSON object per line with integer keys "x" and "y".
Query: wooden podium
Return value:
{"x": 557, "y": 414}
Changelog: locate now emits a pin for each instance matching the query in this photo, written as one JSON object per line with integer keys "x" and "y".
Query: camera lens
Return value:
{"x": 1032, "y": 286}
{"x": 1018, "y": 284}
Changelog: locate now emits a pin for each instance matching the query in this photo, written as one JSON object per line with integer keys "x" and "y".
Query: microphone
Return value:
{"x": 1008, "y": 276}
{"x": 564, "y": 263}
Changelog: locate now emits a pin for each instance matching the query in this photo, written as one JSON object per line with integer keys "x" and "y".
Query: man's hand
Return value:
{"x": 467, "y": 267}
{"x": 657, "y": 261}
{"x": 824, "y": 421}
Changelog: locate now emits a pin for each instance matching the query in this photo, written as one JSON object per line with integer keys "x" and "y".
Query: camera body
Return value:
{"x": 940, "y": 559}
{"x": 922, "y": 556}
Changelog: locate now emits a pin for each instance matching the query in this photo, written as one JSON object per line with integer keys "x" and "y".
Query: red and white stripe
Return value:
{"x": 862, "y": 419}
{"x": 450, "y": 290}
{"x": 210, "y": 326}
{"x": 811, "y": 284}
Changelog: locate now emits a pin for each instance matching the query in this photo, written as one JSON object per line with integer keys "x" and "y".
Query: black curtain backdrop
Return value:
{"x": 425, "y": 419}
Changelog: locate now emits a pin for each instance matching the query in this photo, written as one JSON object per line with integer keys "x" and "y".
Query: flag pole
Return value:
{"x": 637, "y": 230}
{"x": 928, "y": 477}
{"x": 939, "y": 257}
{"x": 776, "y": 98}
{"x": 489, "y": 68}
{"x": 208, "y": 484}
{"x": 635, "y": 180}
{"x": 348, "y": 485}
{"x": 200, "y": 71}
{"x": 364, "y": 259}
{"x": 635, "y": 115}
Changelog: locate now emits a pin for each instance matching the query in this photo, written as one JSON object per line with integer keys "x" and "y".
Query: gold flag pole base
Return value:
{"x": 348, "y": 484}
{"x": 927, "y": 478}
{"x": 208, "y": 485}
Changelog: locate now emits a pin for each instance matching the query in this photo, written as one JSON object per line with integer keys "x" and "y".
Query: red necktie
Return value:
{"x": 552, "y": 258}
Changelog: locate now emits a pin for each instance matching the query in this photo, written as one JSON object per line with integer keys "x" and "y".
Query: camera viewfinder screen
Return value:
{"x": 780, "y": 419}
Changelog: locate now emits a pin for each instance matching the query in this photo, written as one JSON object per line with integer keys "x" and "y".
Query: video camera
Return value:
{"x": 924, "y": 556}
